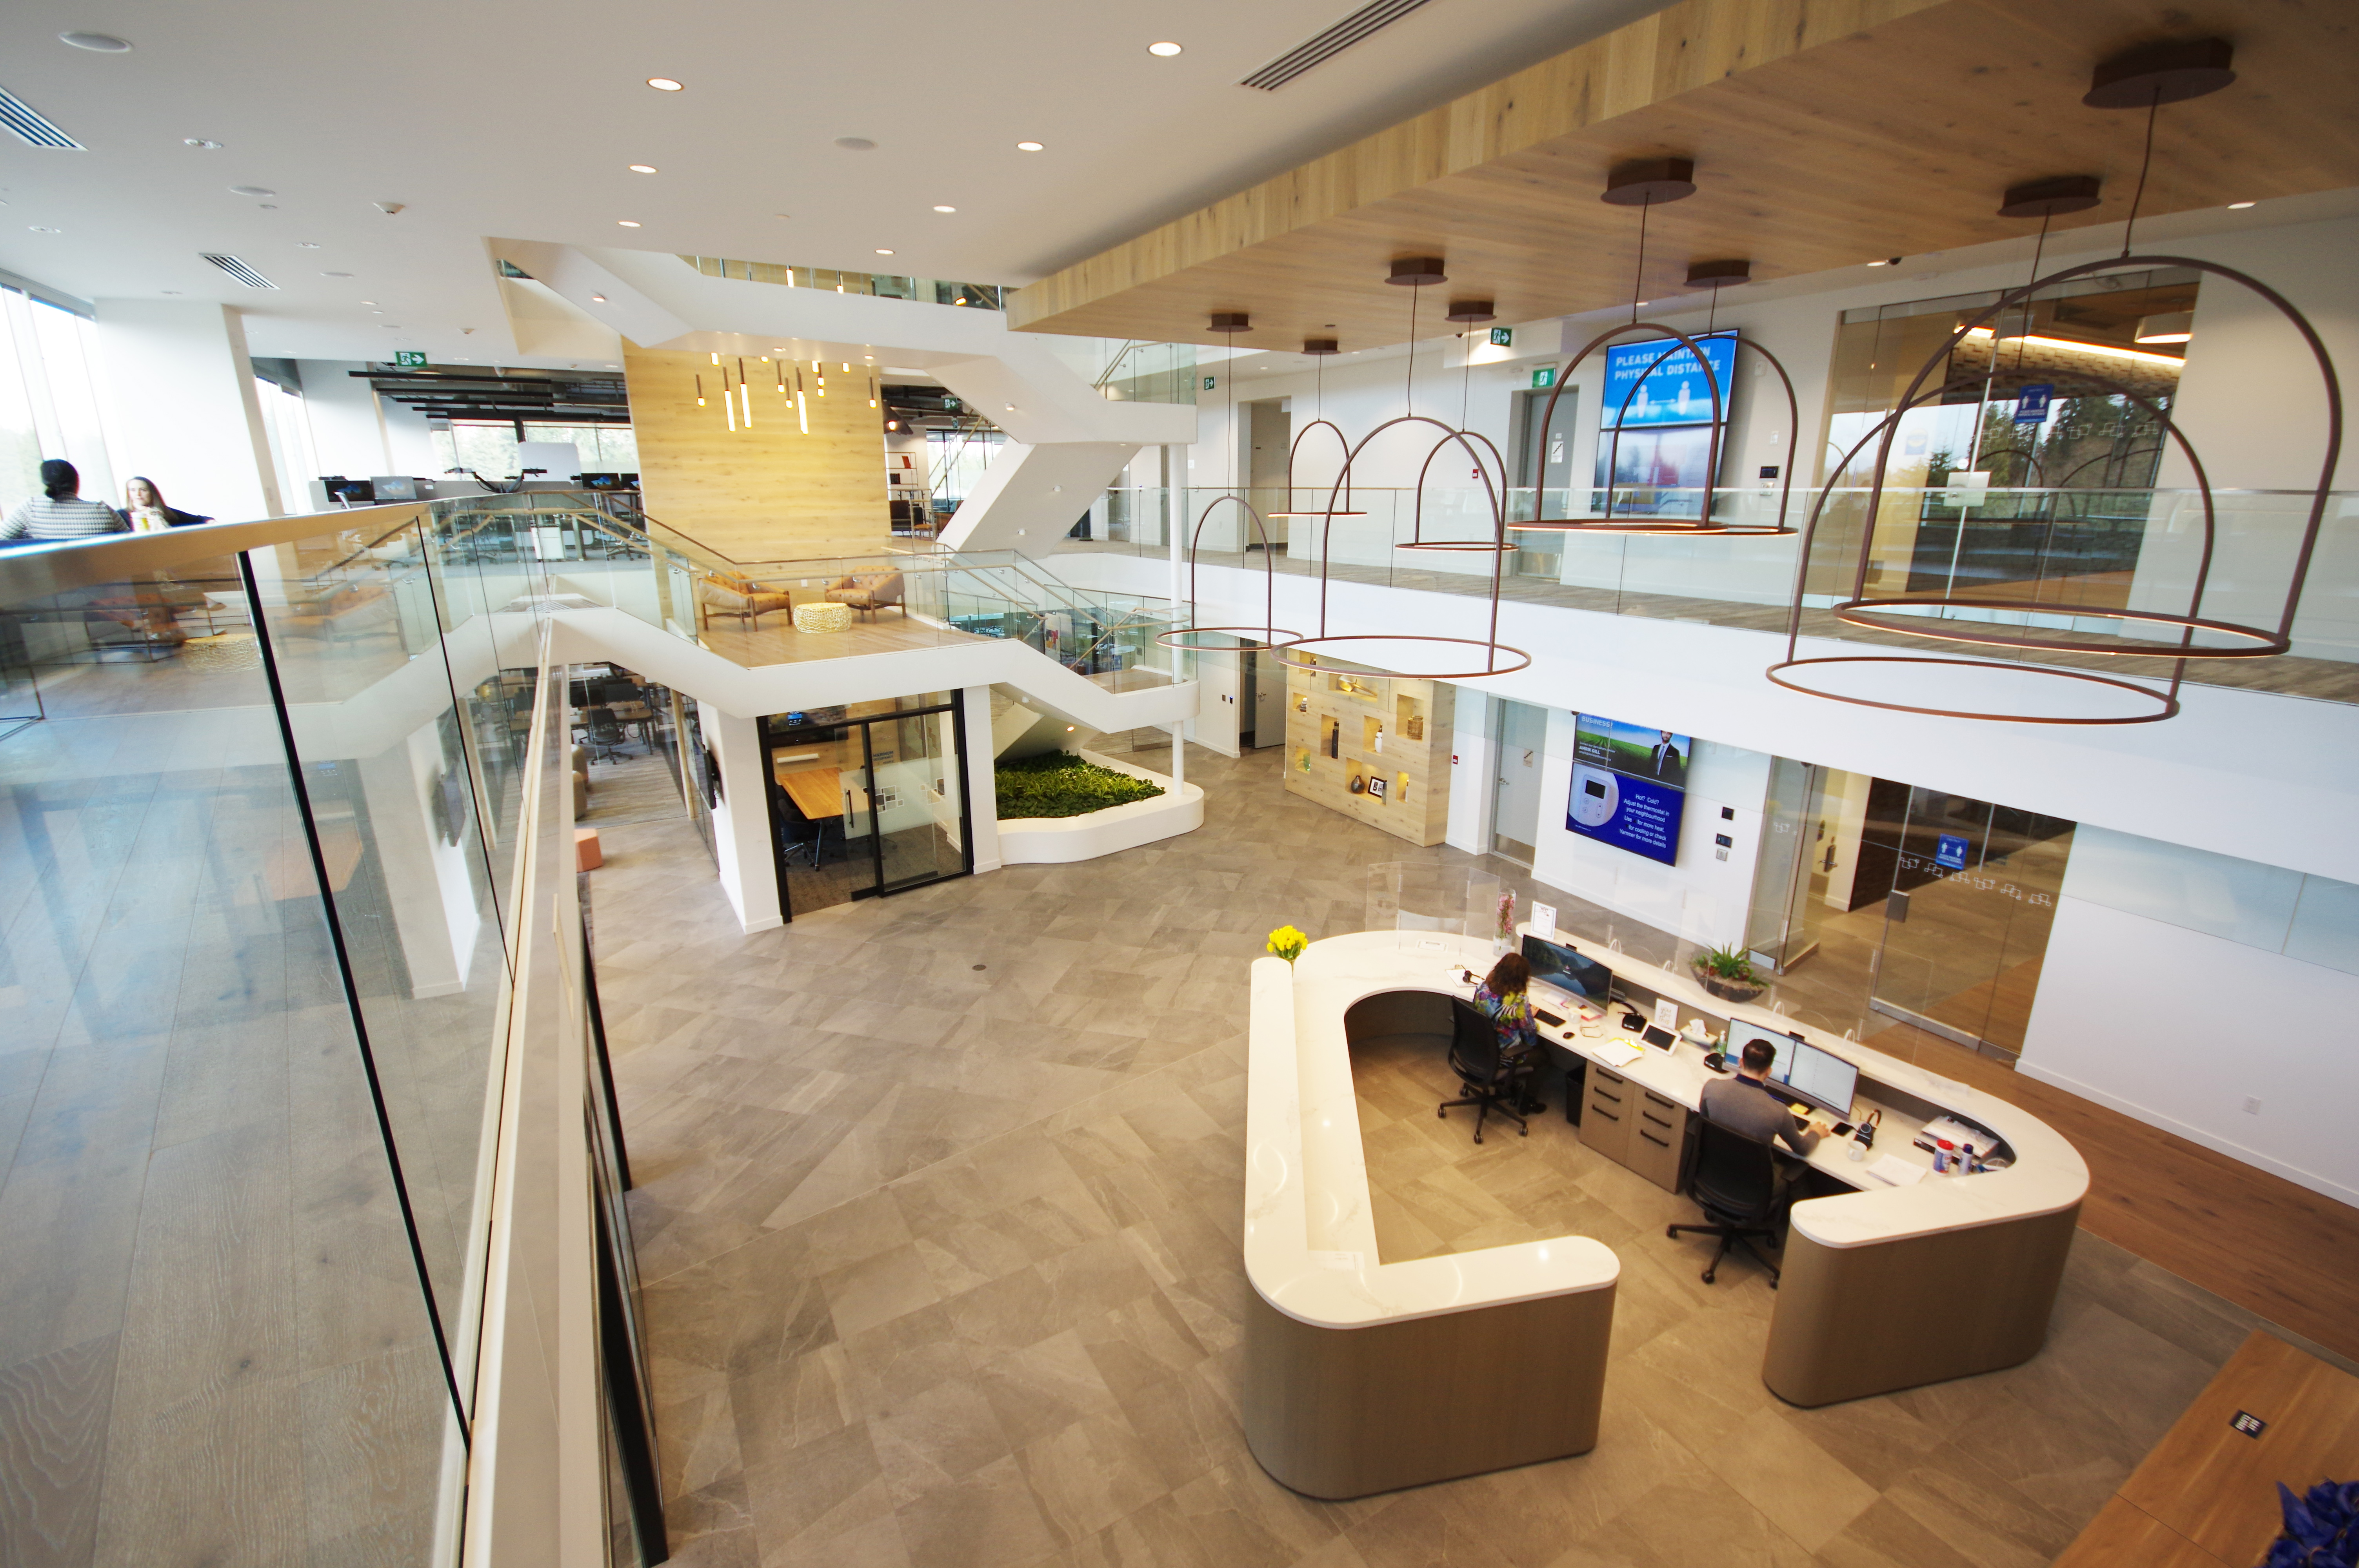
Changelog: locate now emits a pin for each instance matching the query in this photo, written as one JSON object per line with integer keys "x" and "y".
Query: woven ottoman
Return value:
{"x": 823, "y": 617}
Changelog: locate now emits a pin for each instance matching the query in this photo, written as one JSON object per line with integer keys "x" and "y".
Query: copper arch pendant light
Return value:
{"x": 1317, "y": 349}
{"x": 1228, "y": 323}
{"x": 1327, "y": 651}
{"x": 2145, "y": 78}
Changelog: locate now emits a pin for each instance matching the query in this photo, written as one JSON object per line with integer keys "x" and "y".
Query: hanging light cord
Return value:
{"x": 2145, "y": 160}
{"x": 1408, "y": 378}
{"x": 1639, "y": 278}
{"x": 2039, "y": 248}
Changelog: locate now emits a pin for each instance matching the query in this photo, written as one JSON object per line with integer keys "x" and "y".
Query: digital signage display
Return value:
{"x": 1673, "y": 392}
{"x": 1629, "y": 786}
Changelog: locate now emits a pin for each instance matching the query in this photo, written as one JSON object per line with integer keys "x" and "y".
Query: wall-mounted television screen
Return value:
{"x": 1629, "y": 785}
{"x": 1660, "y": 381}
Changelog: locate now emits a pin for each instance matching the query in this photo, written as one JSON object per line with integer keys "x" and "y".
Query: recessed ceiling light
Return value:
{"x": 598, "y": 298}
{"x": 883, "y": 252}
{"x": 1027, "y": 146}
{"x": 368, "y": 301}
{"x": 336, "y": 274}
{"x": 945, "y": 208}
{"x": 626, "y": 223}
{"x": 663, "y": 84}
{"x": 643, "y": 168}
{"x": 201, "y": 143}
{"x": 613, "y": 367}
{"x": 855, "y": 144}
{"x": 377, "y": 312}
{"x": 40, "y": 230}
{"x": 170, "y": 291}
{"x": 306, "y": 245}
{"x": 97, "y": 43}
{"x": 269, "y": 206}
{"x": 251, "y": 190}
{"x": 1888, "y": 261}
{"x": 1166, "y": 48}
{"x": 2238, "y": 206}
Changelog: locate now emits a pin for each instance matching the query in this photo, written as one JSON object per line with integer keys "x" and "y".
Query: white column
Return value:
{"x": 179, "y": 388}
{"x": 741, "y": 822}
{"x": 1179, "y": 755}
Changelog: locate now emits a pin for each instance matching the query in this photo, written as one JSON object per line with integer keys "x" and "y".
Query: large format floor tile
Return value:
{"x": 939, "y": 1218}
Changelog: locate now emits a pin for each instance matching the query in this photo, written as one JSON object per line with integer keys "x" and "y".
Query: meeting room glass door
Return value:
{"x": 867, "y": 799}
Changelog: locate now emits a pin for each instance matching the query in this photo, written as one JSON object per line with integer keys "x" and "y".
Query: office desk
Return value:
{"x": 1884, "y": 1288}
{"x": 817, "y": 793}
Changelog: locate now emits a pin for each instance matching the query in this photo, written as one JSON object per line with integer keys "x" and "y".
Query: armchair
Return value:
{"x": 869, "y": 592}
{"x": 741, "y": 596}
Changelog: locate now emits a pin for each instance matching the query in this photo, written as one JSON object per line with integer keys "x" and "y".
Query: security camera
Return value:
{"x": 388, "y": 208}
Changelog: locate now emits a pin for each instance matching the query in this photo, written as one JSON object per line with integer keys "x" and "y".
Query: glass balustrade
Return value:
{"x": 2082, "y": 557}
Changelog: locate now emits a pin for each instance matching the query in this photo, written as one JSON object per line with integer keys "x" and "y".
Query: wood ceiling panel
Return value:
{"x": 1824, "y": 135}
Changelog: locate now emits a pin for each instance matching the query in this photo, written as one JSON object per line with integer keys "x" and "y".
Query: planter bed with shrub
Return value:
{"x": 1061, "y": 785}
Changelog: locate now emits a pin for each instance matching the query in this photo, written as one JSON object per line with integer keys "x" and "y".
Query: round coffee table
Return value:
{"x": 823, "y": 616}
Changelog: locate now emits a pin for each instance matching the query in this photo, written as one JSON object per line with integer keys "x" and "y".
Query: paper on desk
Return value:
{"x": 1620, "y": 1053}
{"x": 1895, "y": 1172}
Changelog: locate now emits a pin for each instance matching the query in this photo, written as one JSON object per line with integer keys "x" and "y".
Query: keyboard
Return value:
{"x": 1550, "y": 1019}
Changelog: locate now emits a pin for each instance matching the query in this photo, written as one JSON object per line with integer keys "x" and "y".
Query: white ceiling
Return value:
{"x": 519, "y": 119}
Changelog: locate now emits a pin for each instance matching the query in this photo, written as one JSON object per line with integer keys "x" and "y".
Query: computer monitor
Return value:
{"x": 1822, "y": 1078}
{"x": 1557, "y": 965}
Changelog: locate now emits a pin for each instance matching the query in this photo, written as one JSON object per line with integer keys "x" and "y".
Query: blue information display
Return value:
{"x": 1950, "y": 850}
{"x": 1628, "y": 786}
{"x": 1673, "y": 392}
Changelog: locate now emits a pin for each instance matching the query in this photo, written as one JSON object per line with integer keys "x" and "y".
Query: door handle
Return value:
{"x": 1895, "y": 908}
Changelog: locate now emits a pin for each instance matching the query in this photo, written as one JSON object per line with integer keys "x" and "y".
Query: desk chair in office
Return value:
{"x": 1492, "y": 1082}
{"x": 802, "y": 834}
{"x": 605, "y": 732}
{"x": 1735, "y": 1183}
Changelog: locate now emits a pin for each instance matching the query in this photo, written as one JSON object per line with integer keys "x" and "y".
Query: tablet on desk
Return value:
{"x": 1660, "y": 1039}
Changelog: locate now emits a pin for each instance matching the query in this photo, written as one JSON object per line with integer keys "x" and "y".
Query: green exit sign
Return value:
{"x": 1502, "y": 337}
{"x": 1207, "y": 382}
{"x": 410, "y": 359}
{"x": 1544, "y": 377}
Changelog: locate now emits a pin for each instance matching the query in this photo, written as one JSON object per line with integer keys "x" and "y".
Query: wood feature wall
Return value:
{"x": 769, "y": 492}
{"x": 1388, "y": 733}
{"x": 1825, "y": 134}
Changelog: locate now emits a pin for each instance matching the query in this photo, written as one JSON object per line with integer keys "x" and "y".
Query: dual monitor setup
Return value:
{"x": 1801, "y": 1070}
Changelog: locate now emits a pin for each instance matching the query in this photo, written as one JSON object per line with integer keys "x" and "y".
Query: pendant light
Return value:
{"x": 1229, "y": 323}
{"x": 1338, "y": 654}
{"x": 2143, "y": 78}
{"x": 1319, "y": 349}
{"x": 1646, "y": 184}
{"x": 1493, "y": 475}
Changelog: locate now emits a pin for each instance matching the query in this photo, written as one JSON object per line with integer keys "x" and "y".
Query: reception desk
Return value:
{"x": 1363, "y": 1376}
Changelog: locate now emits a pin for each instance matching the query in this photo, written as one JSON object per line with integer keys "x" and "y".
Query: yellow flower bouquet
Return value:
{"x": 1287, "y": 943}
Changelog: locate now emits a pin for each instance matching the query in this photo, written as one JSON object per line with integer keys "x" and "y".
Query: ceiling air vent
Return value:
{"x": 28, "y": 122}
{"x": 239, "y": 270}
{"x": 1367, "y": 20}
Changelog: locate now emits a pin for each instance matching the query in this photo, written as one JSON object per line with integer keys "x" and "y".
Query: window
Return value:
{"x": 48, "y": 408}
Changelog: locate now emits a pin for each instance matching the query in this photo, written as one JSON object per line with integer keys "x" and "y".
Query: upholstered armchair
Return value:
{"x": 869, "y": 592}
{"x": 741, "y": 596}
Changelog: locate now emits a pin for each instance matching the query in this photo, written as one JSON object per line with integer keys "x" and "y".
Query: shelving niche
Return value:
{"x": 1374, "y": 747}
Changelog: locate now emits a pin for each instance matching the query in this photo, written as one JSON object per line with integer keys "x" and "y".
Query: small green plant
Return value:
{"x": 1060, "y": 784}
{"x": 1728, "y": 964}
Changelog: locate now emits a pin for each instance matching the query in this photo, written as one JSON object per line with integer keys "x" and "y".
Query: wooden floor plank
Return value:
{"x": 53, "y": 1419}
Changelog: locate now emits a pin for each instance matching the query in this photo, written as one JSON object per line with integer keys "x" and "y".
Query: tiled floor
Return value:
{"x": 938, "y": 1224}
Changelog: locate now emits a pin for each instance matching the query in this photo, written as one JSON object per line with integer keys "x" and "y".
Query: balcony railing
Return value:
{"x": 2091, "y": 555}
{"x": 291, "y": 1266}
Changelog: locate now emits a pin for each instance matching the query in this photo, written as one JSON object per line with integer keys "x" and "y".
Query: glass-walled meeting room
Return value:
{"x": 867, "y": 798}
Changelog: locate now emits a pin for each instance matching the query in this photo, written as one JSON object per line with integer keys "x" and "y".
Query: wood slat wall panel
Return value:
{"x": 1824, "y": 135}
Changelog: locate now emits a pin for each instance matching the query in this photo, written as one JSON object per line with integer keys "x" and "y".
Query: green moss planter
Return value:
{"x": 1061, "y": 785}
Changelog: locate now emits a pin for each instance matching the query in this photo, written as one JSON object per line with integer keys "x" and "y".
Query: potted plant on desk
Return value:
{"x": 1728, "y": 974}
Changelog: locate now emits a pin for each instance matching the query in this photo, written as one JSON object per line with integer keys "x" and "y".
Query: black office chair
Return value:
{"x": 605, "y": 734}
{"x": 1735, "y": 1183}
{"x": 803, "y": 834}
{"x": 1491, "y": 1081}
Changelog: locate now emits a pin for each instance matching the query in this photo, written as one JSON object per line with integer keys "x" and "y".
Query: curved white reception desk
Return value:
{"x": 1361, "y": 1375}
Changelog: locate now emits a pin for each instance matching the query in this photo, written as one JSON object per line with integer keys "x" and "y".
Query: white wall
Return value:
{"x": 2180, "y": 1028}
{"x": 1218, "y": 722}
{"x": 741, "y": 822}
{"x": 178, "y": 388}
{"x": 1703, "y": 898}
{"x": 1473, "y": 796}
{"x": 983, "y": 800}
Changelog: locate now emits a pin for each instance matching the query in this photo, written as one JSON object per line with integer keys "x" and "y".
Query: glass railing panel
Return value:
{"x": 206, "y": 1275}
{"x": 2081, "y": 556}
